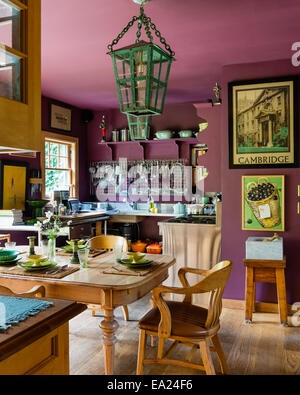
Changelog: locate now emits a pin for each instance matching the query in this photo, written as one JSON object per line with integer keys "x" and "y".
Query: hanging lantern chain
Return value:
{"x": 147, "y": 22}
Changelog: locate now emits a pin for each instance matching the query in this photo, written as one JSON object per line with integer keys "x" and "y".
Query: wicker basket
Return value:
{"x": 273, "y": 201}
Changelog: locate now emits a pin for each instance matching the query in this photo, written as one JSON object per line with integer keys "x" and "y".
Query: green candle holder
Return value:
{"x": 31, "y": 244}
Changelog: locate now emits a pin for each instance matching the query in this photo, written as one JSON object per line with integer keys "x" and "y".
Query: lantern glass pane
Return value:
{"x": 140, "y": 58}
{"x": 161, "y": 91}
{"x": 164, "y": 70}
{"x": 126, "y": 94}
{"x": 154, "y": 94}
{"x": 123, "y": 67}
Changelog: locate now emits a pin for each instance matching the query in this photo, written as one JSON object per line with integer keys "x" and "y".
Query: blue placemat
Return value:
{"x": 14, "y": 310}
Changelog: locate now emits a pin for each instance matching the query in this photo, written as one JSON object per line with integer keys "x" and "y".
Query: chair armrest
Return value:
{"x": 182, "y": 277}
{"x": 164, "y": 328}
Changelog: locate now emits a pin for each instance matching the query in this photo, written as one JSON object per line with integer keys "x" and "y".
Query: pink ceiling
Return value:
{"x": 205, "y": 35}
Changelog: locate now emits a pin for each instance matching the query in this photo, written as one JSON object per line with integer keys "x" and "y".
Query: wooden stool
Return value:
{"x": 266, "y": 271}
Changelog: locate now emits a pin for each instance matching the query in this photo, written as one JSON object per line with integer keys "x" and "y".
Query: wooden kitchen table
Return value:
{"x": 93, "y": 286}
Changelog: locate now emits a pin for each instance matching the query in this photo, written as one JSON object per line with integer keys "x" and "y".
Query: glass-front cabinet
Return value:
{"x": 20, "y": 74}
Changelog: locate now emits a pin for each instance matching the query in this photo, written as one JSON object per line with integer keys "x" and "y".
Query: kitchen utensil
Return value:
{"x": 164, "y": 134}
{"x": 140, "y": 265}
{"x": 124, "y": 135}
{"x": 32, "y": 266}
{"x": 136, "y": 256}
{"x": 179, "y": 208}
{"x": 37, "y": 258}
{"x": 10, "y": 262}
{"x": 115, "y": 135}
{"x": 186, "y": 133}
{"x": 155, "y": 248}
{"x": 138, "y": 246}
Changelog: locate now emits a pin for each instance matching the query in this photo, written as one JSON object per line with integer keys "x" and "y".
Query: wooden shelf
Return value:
{"x": 35, "y": 181}
{"x": 175, "y": 140}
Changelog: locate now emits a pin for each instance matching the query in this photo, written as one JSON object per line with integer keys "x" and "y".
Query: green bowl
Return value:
{"x": 37, "y": 203}
{"x": 6, "y": 255}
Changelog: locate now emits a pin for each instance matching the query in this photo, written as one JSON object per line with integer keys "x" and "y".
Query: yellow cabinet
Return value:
{"x": 20, "y": 75}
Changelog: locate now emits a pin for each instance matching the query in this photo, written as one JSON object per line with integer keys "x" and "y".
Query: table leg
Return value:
{"x": 281, "y": 295}
{"x": 109, "y": 326}
{"x": 249, "y": 294}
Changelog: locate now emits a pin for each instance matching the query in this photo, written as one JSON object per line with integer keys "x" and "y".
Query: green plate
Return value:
{"x": 43, "y": 266}
{"x": 10, "y": 263}
{"x": 140, "y": 265}
{"x": 70, "y": 248}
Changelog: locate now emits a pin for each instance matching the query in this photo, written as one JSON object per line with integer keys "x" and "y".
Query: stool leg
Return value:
{"x": 249, "y": 294}
{"x": 281, "y": 294}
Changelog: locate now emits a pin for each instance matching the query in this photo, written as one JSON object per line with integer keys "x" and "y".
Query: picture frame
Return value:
{"x": 263, "y": 124}
{"x": 60, "y": 118}
{"x": 14, "y": 179}
{"x": 263, "y": 202}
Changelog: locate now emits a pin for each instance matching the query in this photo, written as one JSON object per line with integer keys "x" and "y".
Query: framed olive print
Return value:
{"x": 60, "y": 118}
{"x": 263, "y": 203}
{"x": 14, "y": 179}
{"x": 262, "y": 124}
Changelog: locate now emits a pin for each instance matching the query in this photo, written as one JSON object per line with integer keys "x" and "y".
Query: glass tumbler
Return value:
{"x": 118, "y": 253}
{"x": 83, "y": 255}
{"x": 11, "y": 245}
{"x": 45, "y": 247}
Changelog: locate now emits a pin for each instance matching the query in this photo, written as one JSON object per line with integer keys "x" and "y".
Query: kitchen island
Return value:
{"x": 40, "y": 344}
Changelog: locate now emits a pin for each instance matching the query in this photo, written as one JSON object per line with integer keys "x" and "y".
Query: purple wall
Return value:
{"x": 233, "y": 238}
{"x": 79, "y": 129}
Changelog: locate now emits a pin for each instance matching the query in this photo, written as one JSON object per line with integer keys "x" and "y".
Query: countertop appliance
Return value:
{"x": 193, "y": 219}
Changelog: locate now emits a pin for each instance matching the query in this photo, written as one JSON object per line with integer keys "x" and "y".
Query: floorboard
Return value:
{"x": 263, "y": 347}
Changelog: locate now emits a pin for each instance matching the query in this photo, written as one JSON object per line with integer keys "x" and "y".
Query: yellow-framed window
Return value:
{"x": 60, "y": 165}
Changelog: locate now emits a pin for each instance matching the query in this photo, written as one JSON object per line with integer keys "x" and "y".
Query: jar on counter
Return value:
{"x": 124, "y": 135}
{"x": 115, "y": 134}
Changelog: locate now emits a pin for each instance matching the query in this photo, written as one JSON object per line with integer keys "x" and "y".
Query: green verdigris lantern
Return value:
{"x": 139, "y": 127}
{"x": 142, "y": 70}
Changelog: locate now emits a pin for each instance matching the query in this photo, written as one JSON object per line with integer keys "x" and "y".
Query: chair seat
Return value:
{"x": 187, "y": 320}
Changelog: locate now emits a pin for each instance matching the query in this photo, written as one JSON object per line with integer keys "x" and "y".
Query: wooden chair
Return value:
{"x": 6, "y": 238}
{"x": 38, "y": 291}
{"x": 183, "y": 322}
{"x": 108, "y": 243}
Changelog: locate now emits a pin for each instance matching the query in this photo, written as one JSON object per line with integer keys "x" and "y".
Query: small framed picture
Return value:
{"x": 262, "y": 123}
{"x": 61, "y": 118}
{"x": 263, "y": 203}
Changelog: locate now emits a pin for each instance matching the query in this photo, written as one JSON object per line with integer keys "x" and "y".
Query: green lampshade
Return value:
{"x": 142, "y": 72}
{"x": 139, "y": 127}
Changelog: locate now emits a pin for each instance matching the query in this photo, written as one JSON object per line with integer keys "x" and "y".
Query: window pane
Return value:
{"x": 10, "y": 25}
{"x": 63, "y": 150}
{"x": 10, "y": 76}
{"x": 53, "y": 149}
{"x": 53, "y": 162}
{"x": 57, "y": 180}
{"x": 63, "y": 163}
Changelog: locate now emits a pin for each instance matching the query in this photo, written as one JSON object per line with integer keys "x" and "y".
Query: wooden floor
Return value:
{"x": 263, "y": 347}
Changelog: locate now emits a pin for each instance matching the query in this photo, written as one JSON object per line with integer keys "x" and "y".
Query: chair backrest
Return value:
{"x": 214, "y": 282}
{"x": 108, "y": 243}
